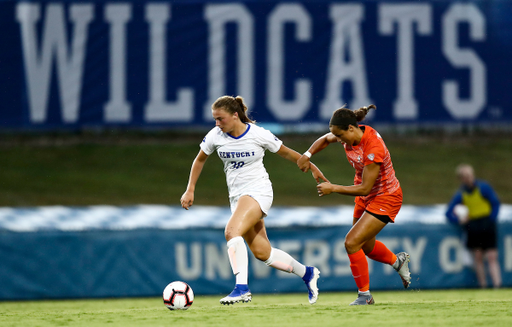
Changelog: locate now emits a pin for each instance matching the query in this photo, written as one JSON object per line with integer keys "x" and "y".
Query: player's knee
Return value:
{"x": 351, "y": 245}
{"x": 492, "y": 256}
{"x": 230, "y": 234}
{"x": 478, "y": 255}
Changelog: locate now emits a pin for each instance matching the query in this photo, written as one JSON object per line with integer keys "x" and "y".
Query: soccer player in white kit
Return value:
{"x": 241, "y": 146}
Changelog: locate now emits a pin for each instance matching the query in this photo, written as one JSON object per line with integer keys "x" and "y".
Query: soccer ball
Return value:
{"x": 178, "y": 296}
{"x": 461, "y": 211}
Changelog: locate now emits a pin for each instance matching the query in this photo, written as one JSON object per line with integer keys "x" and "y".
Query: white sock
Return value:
{"x": 364, "y": 293}
{"x": 237, "y": 252}
{"x": 396, "y": 264}
{"x": 283, "y": 261}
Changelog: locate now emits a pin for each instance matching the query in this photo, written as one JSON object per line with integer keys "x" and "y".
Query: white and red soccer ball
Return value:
{"x": 178, "y": 296}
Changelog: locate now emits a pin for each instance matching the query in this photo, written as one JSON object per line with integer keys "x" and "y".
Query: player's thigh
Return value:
{"x": 257, "y": 240}
{"x": 246, "y": 215}
{"x": 369, "y": 244}
{"x": 364, "y": 230}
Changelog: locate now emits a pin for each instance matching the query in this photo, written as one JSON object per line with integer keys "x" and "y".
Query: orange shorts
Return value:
{"x": 388, "y": 204}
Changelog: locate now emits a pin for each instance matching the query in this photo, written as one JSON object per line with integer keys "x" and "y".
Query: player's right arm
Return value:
{"x": 317, "y": 146}
{"x": 187, "y": 199}
{"x": 450, "y": 213}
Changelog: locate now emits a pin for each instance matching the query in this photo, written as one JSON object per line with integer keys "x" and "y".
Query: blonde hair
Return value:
{"x": 464, "y": 167}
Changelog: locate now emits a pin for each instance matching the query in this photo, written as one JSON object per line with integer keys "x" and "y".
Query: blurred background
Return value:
{"x": 103, "y": 106}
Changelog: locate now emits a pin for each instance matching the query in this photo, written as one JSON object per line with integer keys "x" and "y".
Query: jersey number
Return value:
{"x": 237, "y": 164}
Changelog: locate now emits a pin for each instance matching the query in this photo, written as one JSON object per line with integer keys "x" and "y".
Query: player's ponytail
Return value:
{"x": 242, "y": 113}
{"x": 363, "y": 111}
{"x": 231, "y": 105}
{"x": 344, "y": 117}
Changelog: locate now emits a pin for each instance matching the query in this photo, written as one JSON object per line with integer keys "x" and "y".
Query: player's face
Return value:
{"x": 224, "y": 120}
{"x": 344, "y": 136}
{"x": 467, "y": 177}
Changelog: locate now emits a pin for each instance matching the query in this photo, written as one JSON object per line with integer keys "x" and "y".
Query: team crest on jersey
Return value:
{"x": 371, "y": 156}
{"x": 358, "y": 158}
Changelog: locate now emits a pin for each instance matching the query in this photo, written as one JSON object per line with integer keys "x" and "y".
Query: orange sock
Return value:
{"x": 359, "y": 267}
{"x": 382, "y": 254}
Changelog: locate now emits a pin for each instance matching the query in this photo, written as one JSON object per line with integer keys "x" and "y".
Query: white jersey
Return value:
{"x": 243, "y": 158}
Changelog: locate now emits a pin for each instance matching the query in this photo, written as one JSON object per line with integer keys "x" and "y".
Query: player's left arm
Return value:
{"x": 288, "y": 154}
{"x": 370, "y": 174}
{"x": 293, "y": 156}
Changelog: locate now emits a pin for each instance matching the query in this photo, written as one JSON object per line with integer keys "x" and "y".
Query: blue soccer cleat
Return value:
{"x": 240, "y": 293}
{"x": 311, "y": 278}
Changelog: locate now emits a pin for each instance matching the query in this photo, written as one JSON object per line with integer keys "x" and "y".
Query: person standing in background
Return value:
{"x": 475, "y": 207}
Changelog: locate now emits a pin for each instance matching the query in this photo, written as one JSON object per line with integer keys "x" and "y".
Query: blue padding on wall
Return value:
{"x": 141, "y": 261}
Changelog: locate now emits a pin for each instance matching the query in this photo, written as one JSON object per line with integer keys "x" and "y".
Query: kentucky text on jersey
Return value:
{"x": 235, "y": 154}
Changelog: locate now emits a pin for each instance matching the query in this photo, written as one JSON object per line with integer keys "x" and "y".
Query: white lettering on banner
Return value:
{"x": 347, "y": 38}
{"x": 117, "y": 108}
{"x": 218, "y": 16}
{"x": 182, "y": 268}
{"x": 448, "y": 246}
{"x": 259, "y": 268}
{"x": 464, "y": 58}
{"x": 317, "y": 253}
{"x": 508, "y": 253}
{"x": 416, "y": 252}
{"x": 217, "y": 262}
{"x": 70, "y": 64}
{"x": 341, "y": 257}
{"x": 345, "y": 66}
{"x": 158, "y": 109}
{"x": 405, "y": 15}
{"x": 286, "y": 109}
{"x": 191, "y": 263}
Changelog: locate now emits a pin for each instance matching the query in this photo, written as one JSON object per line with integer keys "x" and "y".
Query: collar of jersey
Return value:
{"x": 238, "y": 137}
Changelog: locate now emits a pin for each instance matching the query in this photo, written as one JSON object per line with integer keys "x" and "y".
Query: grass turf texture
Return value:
{"x": 400, "y": 308}
{"x": 142, "y": 169}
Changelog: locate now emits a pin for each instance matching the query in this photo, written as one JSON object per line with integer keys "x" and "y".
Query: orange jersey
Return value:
{"x": 372, "y": 149}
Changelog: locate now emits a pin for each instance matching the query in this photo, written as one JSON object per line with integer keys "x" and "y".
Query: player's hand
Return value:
{"x": 463, "y": 219}
{"x": 187, "y": 199}
{"x": 324, "y": 188}
{"x": 317, "y": 174}
{"x": 303, "y": 163}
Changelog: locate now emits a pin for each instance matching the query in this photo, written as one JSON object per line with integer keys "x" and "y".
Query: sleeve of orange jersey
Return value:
{"x": 374, "y": 152}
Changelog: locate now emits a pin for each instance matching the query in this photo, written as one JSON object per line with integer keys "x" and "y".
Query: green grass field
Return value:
{"x": 153, "y": 169}
{"x": 400, "y": 308}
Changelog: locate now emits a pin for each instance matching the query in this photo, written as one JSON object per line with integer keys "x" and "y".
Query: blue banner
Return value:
{"x": 81, "y": 64}
{"x": 141, "y": 262}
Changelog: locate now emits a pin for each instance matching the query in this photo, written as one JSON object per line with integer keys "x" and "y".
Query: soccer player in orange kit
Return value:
{"x": 377, "y": 191}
